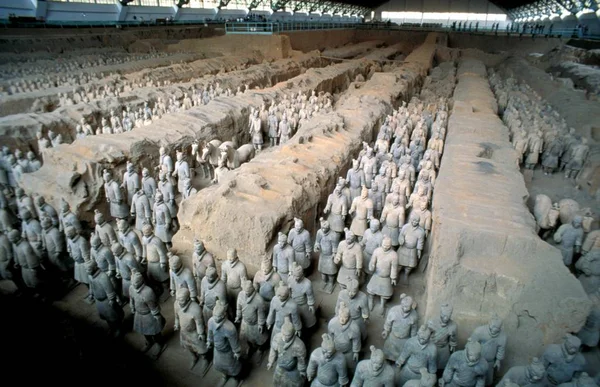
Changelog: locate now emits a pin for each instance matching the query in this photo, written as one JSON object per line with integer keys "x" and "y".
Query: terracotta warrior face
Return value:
{"x": 423, "y": 336}
{"x": 377, "y": 363}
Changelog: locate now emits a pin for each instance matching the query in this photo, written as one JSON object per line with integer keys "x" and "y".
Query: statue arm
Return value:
{"x": 271, "y": 315}
{"x": 238, "y": 309}
{"x": 311, "y": 370}
{"x": 261, "y": 315}
{"x": 296, "y": 321}
{"x": 301, "y": 356}
{"x": 310, "y": 297}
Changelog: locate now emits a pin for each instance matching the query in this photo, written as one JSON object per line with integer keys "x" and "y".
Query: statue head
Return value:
{"x": 183, "y": 297}
{"x": 571, "y": 345}
{"x": 287, "y": 330}
{"x": 415, "y": 219}
{"x": 46, "y": 222}
{"x": 162, "y": 150}
{"x": 377, "y": 359}
{"x": 30, "y": 156}
{"x": 175, "y": 264}
{"x": 91, "y": 266}
{"x": 495, "y": 326}
{"x": 472, "y": 352}
{"x": 19, "y": 192}
{"x": 535, "y": 370}
{"x": 266, "y": 266}
{"x": 198, "y": 246}
{"x": 355, "y": 164}
{"x": 324, "y": 225}
{"x": 423, "y": 335}
{"x": 298, "y": 224}
{"x": 70, "y": 232}
{"x": 130, "y": 167}
{"x": 117, "y": 249}
{"x": 423, "y": 205}
{"x": 386, "y": 243}
{"x": 147, "y": 230}
{"x": 406, "y": 303}
{"x": 445, "y": 314}
{"x": 158, "y": 197}
{"x": 421, "y": 190}
{"x": 219, "y": 311}
{"x": 327, "y": 346}
{"x": 145, "y": 172}
{"x": 232, "y": 255}
{"x": 179, "y": 155}
{"x": 247, "y": 287}
{"x": 395, "y": 200}
{"x": 98, "y": 217}
{"x": 349, "y": 236}
{"x": 297, "y": 272}
{"x": 283, "y": 291}
{"x": 374, "y": 225}
{"x": 211, "y": 274}
{"x": 281, "y": 239}
{"x": 584, "y": 380}
{"x": 337, "y": 190}
{"x": 95, "y": 241}
{"x": 14, "y": 236}
{"x": 577, "y": 221}
{"x": 122, "y": 225}
{"x": 107, "y": 175}
{"x": 364, "y": 193}
{"x": 343, "y": 313}
{"x": 353, "y": 287}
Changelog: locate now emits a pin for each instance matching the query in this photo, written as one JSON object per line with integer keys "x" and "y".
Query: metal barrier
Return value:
{"x": 268, "y": 28}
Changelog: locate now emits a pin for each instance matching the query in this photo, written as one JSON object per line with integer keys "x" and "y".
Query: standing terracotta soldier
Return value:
{"x": 424, "y": 216}
{"x": 181, "y": 277}
{"x": 579, "y": 155}
{"x": 251, "y": 312}
{"x": 118, "y": 204}
{"x": 168, "y": 192}
{"x": 266, "y": 280}
{"x": 104, "y": 230}
{"x": 563, "y": 361}
{"x": 363, "y": 207}
{"x": 535, "y": 147}
{"x": 371, "y": 241}
{"x": 130, "y": 241}
{"x": 45, "y": 209}
{"x": 161, "y": 217}
{"x": 223, "y": 336}
{"x": 27, "y": 260}
{"x": 466, "y": 368}
{"x": 165, "y": 163}
{"x": 411, "y": 239}
{"x": 356, "y": 179}
{"x": 384, "y": 266}
{"x": 188, "y": 189}
{"x": 400, "y": 325}
{"x": 493, "y": 345}
{"x": 288, "y": 354}
{"x": 570, "y": 237}
{"x": 444, "y": 335}
{"x": 201, "y": 260}
{"x": 299, "y": 239}
{"x": 357, "y": 302}
{"x": 346, "y": 335}
{"x": 302, "y": 294}
{"x": 53, "y": 243}
{"x": 327, "y": 367}
{"x": 418, "y": 352}
{"x": 337, "y": 208}
{"x": 374, "y": 371}
{"x": 212, "y": 289}
{"x": 148, "y": 185}
{"x": 281, "y": 306}
{"x": 32, "y": 232}
{"x": 369, "y": 166}
{"x": 79, "y": 250}
{"x": 67, "y": 218}
{"x": 255, "y": 130}
{"x": 350, "y": 255}
{"x": 182, "y": 171}
{"x": 104, "y": 294}
{"x": 392, "y": 219}
{"x": 103, "y": 257}
{"x": 531, "y": 375}
{"x": 141, "y": 209}
{"x": 147, "y": 319}
{"x": 233, "y": 271}
{"x": 126, "y": 265}
{"x": 190, "y": 324}
{"x": 283, "y": 257}
{"x": 155, "y": 252}
{"x": 273, "y": 127}
{"x": 326, "y": 244}
{"x": 131, "y": 182}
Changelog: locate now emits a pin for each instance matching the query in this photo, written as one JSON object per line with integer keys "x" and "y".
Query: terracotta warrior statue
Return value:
{"x": 281, "y": 306}
{"x": 400, "y": 325}
{"x": 54, "y": 244}
{"x": 326, "y": 244}
{"x": 418, "y": 352}
{"x": 444, "y": 335}
{"x": 563, "y": 361}
{"x": 283, "y": 257}
{"x": 147, "y": 319}
{"x": 299, "y": 239}
{"x": 372, "y": 239}
{"x": 384, "y": 266}
{"x": 327, "y": 367}
{"x": 255, "y": 130}
{"x": 67, "y": 218}
{"x": 155, "y": 252}
{"x": 349, "y": 254}
{"x": 105, "y": 232}
{"x": 392, "y": 218}
{"x": 118, "y": 203}
{"x": 346, "y": 335}
{"x": 130, "y": 241}
{"x": 161, "y": 218}
{"x": 131, "y": 182}
{"x": 411, "y": 239}
{"x": 362, "y": 207}
{"x": 337, "y": 208}
{"x": 223, "y": 336}
{"x": 181, "y": 171}
{"x": 531, "y": 375}
{"x": 251, "y": 312}
{"x": 79, "y": 250}
{"x": 126, "y": 265}
{"x": 201, "y": 260}
{"x": 374, "y": 371}
{"x": 466, "y": 368}
{"x": 190, "y": 324}
{"x": 288, "y": 355}
{"x": 28, "y": 261}
{"x": 493, "y": 345}
{"x": 181, "y": 277}
{"x": 148, "y": 185}
{"x": 105, "y": 296}
{"x": 302, "y": 293}
{"x": 232, "y": 272}
{"x": 357, "y": 303}
{"x": 570, "y": 238}
{"x": 212, "y": 289}
{"x": 356, "y": 180}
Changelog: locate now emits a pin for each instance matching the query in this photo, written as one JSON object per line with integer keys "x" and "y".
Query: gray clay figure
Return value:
{"x": 570, "y": 238}
{"x": 362, "y": 211}
{"x": 190, "y": 324}
{"x": 392, "y": 218}
{"x": 79, "y": 250}
{"x": 181, "y": 171}
{"x": 283, "y": 305}
{"x": 118, "y": 203}
{"x": 161, "y": 217}
{"x": 418, "y": 352}
{"x": 400, "y": 325}
{"x": 201, "y": 260}
{"x": 266, "y": 280}
{"x": 131, "y": 182}
{"x": 27, "y": 260}
{"x": 288, "y": 355}
{"x": 212, "y": 289}
{"x": 412, "y": 240}
{"x": 346, "y": 335}
{"x": 349, "y": 254}
{"x": 357, "y": 303}
{"x": 67, "y": 218}
{"x": 444, "y": 335}
{"x": 283, "y": 257}
{"x": 232, "y": 272}
{"x": 372, "y": 239}
{"x": 156, "y": 253}
{"x": 141, "y": 209}
{"x": 181, "y": 277}
{"x": 46, "y": 210}
{"x": 327, "y": 366}
{"x": 582, "y": 380}
{"x": 105, "y": 296}
{"x": 147, "y": 318}
{"x": 326, "y": 244}
{"x": 302, "y": 293}
{"x": 130, "y": 240}
{"x": 384, "y": 266}
{"x": 466, "y": 368}
{"x": 32, "y": 232}
{"x": 104, "y": 230}
{"x": 337, "y": 208}
{"x": 223, "y": 337}
{"x": 251, "y": 312}
{"x": 103, "y": 257}
{"x": 563, "y": 361}
{"x": 299, "y": 239}
{"x": 374, "y": 372}
{"x": 589, "y": 334}
{"x": 493, "y": 345}
{"x": 579, "y": 155}
{"x": 126, "y": 266}
{"x": 356, "y": 180}
{"x": 148, "y": 185}
{"x": 588, "y": 267}
{"x": 531, "y": 375}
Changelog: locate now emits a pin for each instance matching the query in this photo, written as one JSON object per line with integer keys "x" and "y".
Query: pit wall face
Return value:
{"x": 262, "y": 197}
{"x": 502, "y": 42}
{"x": 485, "y": 256}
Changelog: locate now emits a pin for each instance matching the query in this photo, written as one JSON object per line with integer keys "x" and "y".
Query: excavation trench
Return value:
{"x": 263, "y": 196}
{"x": 63, "y": 120}
{"x": 485, "y": 255}
{"x": 74, "y": 172}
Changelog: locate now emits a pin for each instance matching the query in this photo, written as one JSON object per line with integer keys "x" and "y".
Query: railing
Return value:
{"x": 102, "y": 24}
{"x": 275, "y": 27}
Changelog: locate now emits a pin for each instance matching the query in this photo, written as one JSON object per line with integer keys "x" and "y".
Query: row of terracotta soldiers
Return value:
{"x": 538, "y": 133}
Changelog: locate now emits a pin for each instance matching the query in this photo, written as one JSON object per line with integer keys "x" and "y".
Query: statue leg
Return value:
{"x": 407, "y": 271}
{"x": 331, "y": 283}
{"x": 383, "y": 301}
{"x": 194, "y": 359}
{"x": 325, "y": 279}
{"x": 371, "y": 301}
